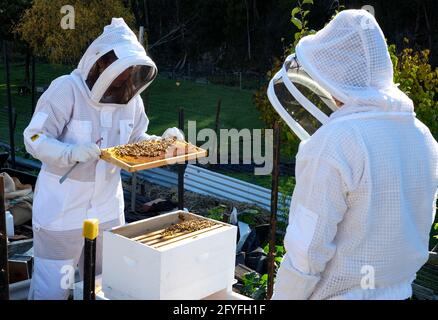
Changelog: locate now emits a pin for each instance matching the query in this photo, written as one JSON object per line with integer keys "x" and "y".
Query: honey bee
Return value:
{"x": 146, "y": 148}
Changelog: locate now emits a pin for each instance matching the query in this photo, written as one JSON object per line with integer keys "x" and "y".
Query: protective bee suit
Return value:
{"x": 366, "y": 173}
{"x": 98, "y": 101}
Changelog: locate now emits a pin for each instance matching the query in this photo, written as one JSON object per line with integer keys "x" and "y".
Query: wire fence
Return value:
{"x": 14, "y": 118}
{"x": 8, "y": 114}
{"x": 237, "y": 79}
{"x": 208, "y": 111}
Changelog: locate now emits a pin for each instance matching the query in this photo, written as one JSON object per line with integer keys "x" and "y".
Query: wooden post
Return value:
{"x": 90, "y": 233}
{"x": 274, "y": 207}
{"x": 181, "y": 167}
{"x": 4, "y": 269}
{"x": 218, "y": 111}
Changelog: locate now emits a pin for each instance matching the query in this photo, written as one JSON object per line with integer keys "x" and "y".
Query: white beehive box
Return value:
{"x": 193, "y": 266}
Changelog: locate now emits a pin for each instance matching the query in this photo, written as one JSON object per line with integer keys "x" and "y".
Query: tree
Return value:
{"x": 419, "y": 80}
{"x": 300, "y": 19}
{"x": 412, "y": 70}
{"x": 40, "y": 27}
{"x": 10, "y": 13}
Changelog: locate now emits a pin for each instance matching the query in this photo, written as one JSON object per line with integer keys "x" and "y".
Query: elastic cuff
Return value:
{"x": 292, "y": 284}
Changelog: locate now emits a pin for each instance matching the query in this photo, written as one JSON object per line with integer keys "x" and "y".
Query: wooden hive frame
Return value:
{"x": 108, "y": 156}
{"x": 157, "y": 239}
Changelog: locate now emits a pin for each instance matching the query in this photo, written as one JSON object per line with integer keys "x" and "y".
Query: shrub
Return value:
{"x": 40, "y": 27}
{"x": 412, "y": 70}
{"x": 419, "y": 80}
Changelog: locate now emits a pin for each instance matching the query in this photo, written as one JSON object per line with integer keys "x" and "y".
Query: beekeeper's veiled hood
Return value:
{"x": 350, "y": 59}
{"x": 115, "y": 68}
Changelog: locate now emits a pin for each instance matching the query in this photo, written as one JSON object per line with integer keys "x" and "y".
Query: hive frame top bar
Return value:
{"x": 158, "y": 223}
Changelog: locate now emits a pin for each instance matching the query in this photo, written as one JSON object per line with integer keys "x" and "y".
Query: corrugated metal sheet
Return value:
{"x": 213, "y": 184}
{"x": 160, "y": 176}
{"x": 203, "y": 181}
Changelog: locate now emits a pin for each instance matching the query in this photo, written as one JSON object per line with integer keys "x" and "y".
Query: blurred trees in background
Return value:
{"x": 248, "y": 34}
{"x": 203, "y": 35}
{"x": 40, "y": 27}
{"x": 419, "y": 80}
{"x": 10, "y": 14}
{"x": 412, "y": 70}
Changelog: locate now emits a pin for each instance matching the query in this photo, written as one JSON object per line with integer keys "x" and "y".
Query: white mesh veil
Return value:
{"x": 347, "y": 60}
{"x": 302, "y": 103}
{"x": 350, "y": 59}
{"x": 127, "y": 74}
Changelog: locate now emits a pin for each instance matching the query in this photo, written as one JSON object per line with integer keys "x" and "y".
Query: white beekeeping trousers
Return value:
{"x": 73, "y": 112}
{"x": 57, "y": 255}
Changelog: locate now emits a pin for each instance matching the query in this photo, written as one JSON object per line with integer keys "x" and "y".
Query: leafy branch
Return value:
{"x": 299, "y": 17}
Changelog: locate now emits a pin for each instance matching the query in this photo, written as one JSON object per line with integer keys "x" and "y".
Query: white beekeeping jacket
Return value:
{"x": 366, "y": 181}
{"x": 73, "y": 111}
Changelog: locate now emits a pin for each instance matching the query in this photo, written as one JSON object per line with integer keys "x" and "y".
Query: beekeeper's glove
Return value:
{"x": 173, "y": 132}
{"x": 85, "y": 152}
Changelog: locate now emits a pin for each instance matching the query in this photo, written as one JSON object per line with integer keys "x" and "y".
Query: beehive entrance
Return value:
{"x": 184, "y": 229}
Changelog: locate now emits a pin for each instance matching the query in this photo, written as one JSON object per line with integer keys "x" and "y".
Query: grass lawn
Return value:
{"x": 162, "y": 101}
{"x": 199, "y": 102}
{"x": 44, "y": 75}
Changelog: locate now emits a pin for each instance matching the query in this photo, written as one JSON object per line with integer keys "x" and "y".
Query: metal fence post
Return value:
{"x": 4, "y": 269}
{"x": 90, "y": 233}
{"x": 9, "y": 102}
{"x": 217, "y": 128}
{"x": 181, "y": 167}
{"x": 33, "y": 85}
{"x": 274, "y": 207}
{"x": 133, "y": 191}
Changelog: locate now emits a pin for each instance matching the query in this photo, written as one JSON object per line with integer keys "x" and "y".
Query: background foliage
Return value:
{"x": 40, "y": 27}
{"x": 412, "y": 70}
{"x": 419, "y": 80}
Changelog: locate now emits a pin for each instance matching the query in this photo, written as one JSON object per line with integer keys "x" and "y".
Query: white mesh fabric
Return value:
{"x": 56, "y": 250}
{"x": 68, "y": 116}
{"x": 366, "y": 181}
{"x": 371, "y": 181}
{"x": 129, "y": 52}
{"x": 65, "y": 116}
{"x": 116, "y": 35}
{"x": 350, "y": 59}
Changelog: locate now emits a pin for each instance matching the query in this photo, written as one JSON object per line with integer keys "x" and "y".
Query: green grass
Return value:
{"x": 45, "y": 74}
{"x": 163, "y": 100}
{"x": 199, "y": 102}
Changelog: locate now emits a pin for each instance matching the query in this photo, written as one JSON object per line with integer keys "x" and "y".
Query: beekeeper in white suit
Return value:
{"x": 366, "y": 173}
{"x": 98, "y": 102}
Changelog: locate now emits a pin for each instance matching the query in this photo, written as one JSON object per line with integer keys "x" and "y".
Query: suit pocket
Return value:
{"x": 126, "y": 127}
{"x": 79, "y": 131}
{"x": 300, "y": 234}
